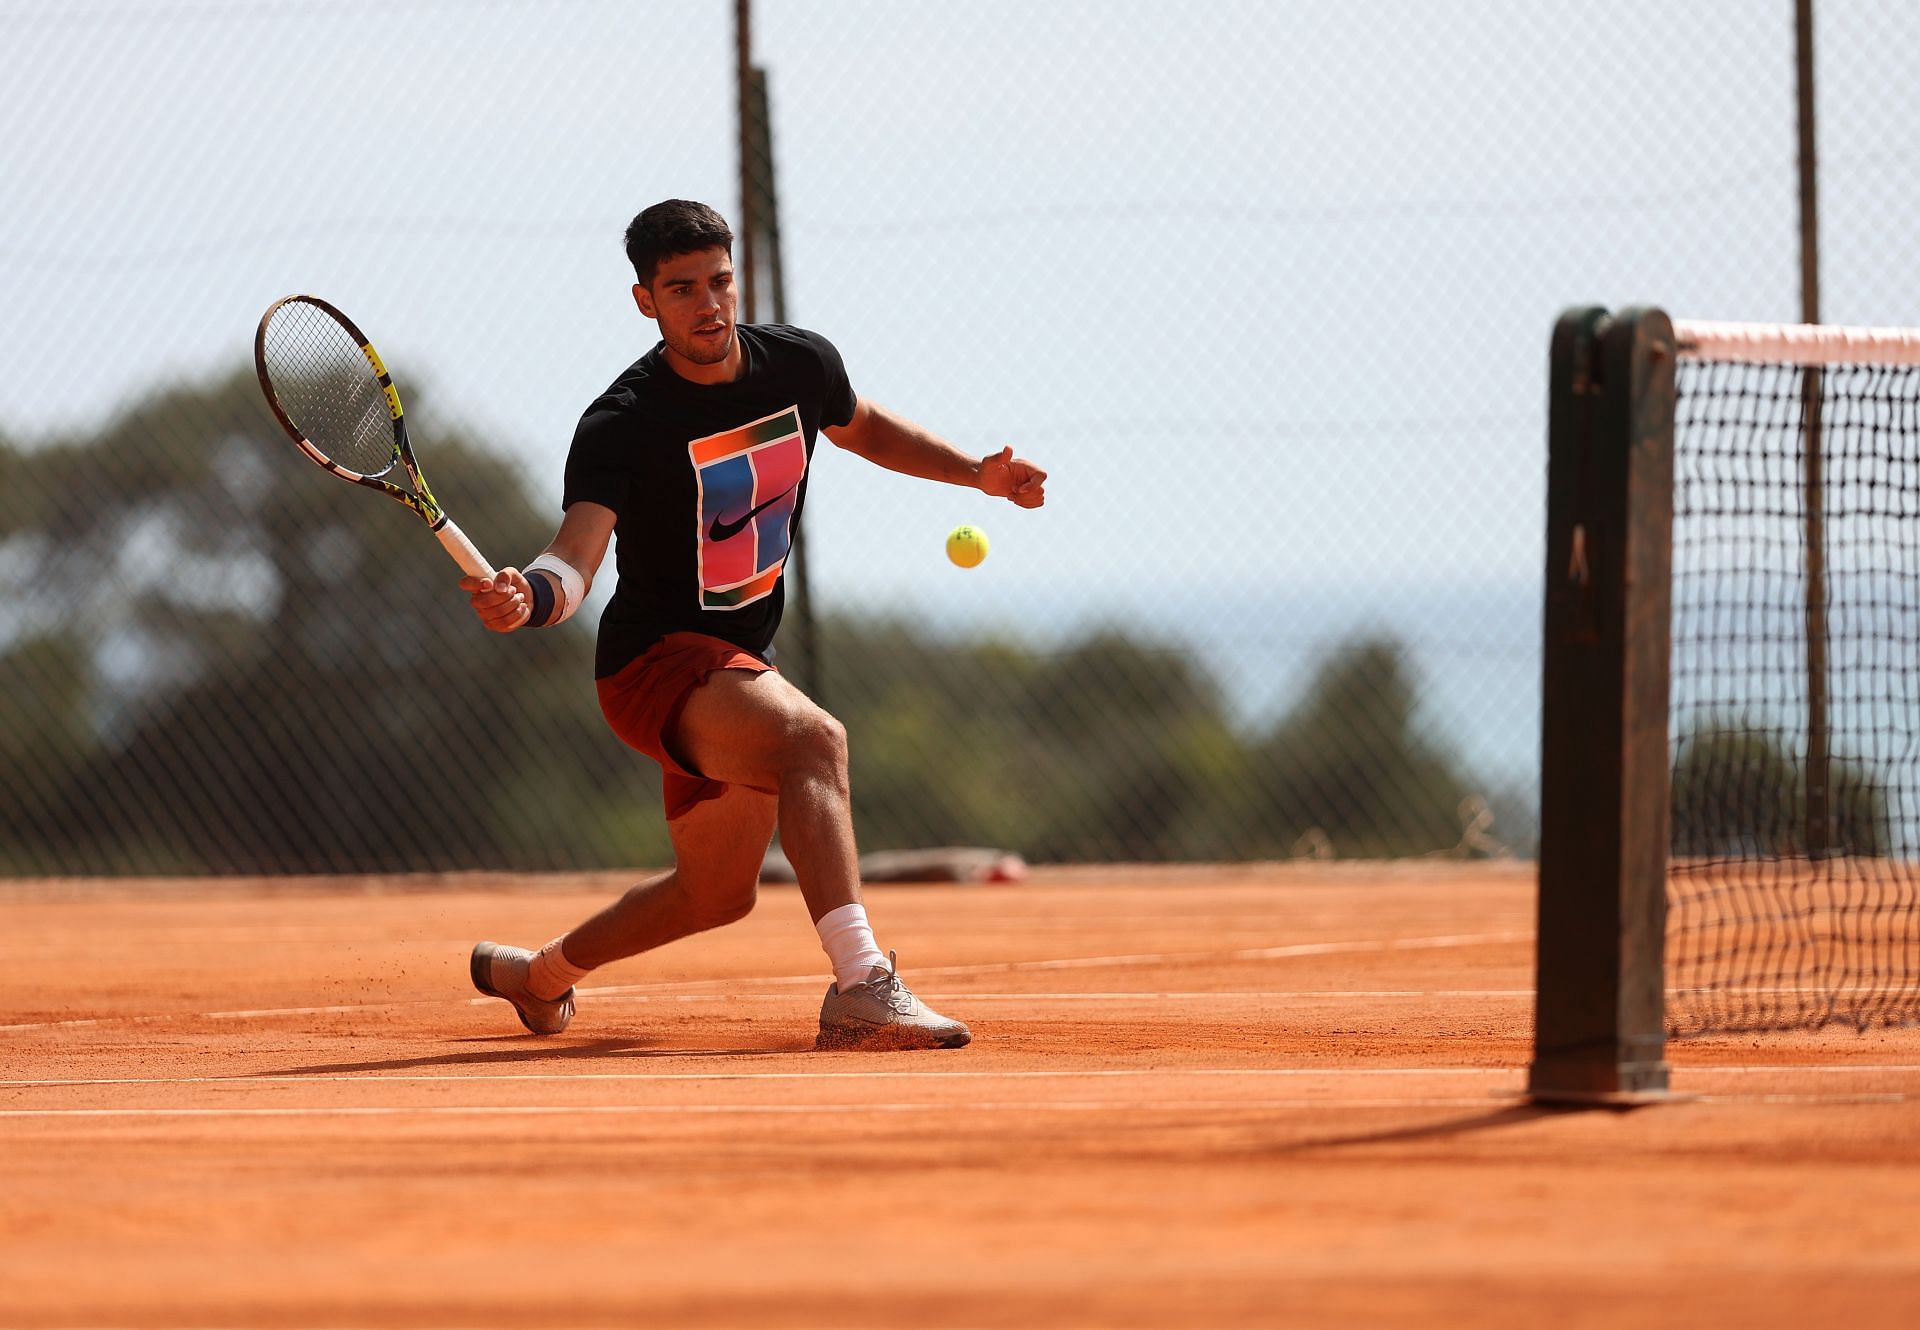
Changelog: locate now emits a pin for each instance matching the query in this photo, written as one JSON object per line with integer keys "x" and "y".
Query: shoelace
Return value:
{"x": 889, "y": 988}
{"x": 898, "y": 996}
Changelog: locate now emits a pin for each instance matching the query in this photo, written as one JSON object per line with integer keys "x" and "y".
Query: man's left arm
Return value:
{"x": 893, "y": 441}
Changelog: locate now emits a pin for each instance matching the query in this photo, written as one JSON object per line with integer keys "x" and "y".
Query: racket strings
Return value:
{"x": 328, "y": 389}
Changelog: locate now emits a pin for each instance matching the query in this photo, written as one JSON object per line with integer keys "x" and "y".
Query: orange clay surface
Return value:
{"x": 1273, "y": 1096}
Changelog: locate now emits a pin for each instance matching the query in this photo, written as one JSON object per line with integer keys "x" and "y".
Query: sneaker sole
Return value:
{"x": 480, "y": 966}
{"x": 480, "y": 969}
{"x": 888, "y": 1038}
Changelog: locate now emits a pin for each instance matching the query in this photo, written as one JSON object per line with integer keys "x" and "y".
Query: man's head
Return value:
{"x": 682, "y": 254}
{"x": 677, "y": 226}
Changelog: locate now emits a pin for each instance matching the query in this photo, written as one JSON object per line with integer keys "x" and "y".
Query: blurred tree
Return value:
{"x": 1119, "y": 728}
{"x": 938, "y": 759}
{"x": 275, "y": 669}
{"x": 44, "y": 741}
{"x": 223, "y": 661}
{"x": 1347, "y": 770}
{"x": 1115, "y": 748}
{"x": 1739, "y": 791}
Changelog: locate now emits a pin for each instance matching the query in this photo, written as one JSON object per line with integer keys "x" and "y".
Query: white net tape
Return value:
{"x": 1796, "y": 343}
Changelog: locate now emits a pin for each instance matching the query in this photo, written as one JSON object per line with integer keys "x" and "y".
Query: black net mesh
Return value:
{"x": 1793, "y": 890}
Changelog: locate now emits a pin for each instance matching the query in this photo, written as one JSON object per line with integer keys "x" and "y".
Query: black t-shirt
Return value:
{"x": 708, "y": 481}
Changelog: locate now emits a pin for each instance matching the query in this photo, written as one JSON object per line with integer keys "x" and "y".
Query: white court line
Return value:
{"x": 1030, "y": 1074}
{"x": 164, "y": 1017}
{"x": 1890, "y": 1097}
{"x": 1144, "y": 958}
{"x": 960, "y": 995}
{"x": 837, "y": 1110}
{"x": 1801, "y": 1069}
{"x": 618, "y": 995}
{"x": 1100, "y": 1073}
{"x": 1238, "y": 1106}
{"x": 997, "y": 967}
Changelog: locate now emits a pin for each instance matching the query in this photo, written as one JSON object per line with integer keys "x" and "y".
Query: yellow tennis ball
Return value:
{"x": 967, "y": 545}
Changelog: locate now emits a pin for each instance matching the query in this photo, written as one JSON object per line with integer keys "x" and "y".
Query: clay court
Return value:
{"x": 1212, "y": 1098}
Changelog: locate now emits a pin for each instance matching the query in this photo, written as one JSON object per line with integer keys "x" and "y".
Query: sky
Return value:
{"x": 1265, "y": 286}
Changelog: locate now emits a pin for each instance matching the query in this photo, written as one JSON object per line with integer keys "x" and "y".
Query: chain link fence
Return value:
{"x": 1266, "y": 288}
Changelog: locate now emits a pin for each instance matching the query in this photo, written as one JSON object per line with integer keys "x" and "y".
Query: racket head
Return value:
{"x": 328, "y": 388}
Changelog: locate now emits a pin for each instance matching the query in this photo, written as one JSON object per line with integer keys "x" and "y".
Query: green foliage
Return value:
{"x": 224, "y": 661}
{"x": 44, "y": 736}
{"x": 1116, "y": 749}
{"x": 1348, "y": 762}
{"x": 1739, "y": 791}
{"x": 336, "y": 708}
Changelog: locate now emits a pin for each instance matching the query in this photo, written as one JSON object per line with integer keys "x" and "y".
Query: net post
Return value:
{"x": 1600, "y": 1012}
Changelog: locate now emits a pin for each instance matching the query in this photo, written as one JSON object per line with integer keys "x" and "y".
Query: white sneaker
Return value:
{"x": 882, "y": 1012}
{"x": 502, "y": 972}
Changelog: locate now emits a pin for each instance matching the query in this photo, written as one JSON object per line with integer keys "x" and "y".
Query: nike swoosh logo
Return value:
{"x": 720, "y": 530}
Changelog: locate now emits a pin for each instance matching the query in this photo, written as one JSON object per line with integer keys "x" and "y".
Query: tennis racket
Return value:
{"x": 337, "y": 403}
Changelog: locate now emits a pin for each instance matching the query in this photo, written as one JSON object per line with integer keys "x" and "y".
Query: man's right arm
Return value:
{"x": 505, "y": 601}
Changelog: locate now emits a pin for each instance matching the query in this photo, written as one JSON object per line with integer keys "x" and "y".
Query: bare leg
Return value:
{"x": 718, "y": 847}
{"x": 785, "y": 761}
{"x": 759, "y": 731}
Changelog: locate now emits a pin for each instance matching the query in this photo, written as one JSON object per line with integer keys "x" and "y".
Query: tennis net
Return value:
{"x": 1793, "y": 879}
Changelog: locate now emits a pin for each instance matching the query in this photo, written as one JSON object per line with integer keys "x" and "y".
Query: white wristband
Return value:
{"x": 573, "y": 587}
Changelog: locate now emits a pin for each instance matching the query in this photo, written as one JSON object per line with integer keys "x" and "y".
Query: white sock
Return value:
{"x": 550, "y": 973}
{"x": 848, "y": 941}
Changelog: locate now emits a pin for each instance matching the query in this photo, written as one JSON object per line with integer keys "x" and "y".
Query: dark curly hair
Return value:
{"x": 677, "y": 226}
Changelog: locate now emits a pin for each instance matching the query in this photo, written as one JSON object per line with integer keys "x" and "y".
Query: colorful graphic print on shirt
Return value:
{"x": 749, "y": 482}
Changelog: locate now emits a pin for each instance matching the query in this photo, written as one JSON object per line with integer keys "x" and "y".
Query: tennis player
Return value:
{"x": 698, "y": 456}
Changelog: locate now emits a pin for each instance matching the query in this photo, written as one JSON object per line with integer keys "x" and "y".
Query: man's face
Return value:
{"x": 693, "y": 300}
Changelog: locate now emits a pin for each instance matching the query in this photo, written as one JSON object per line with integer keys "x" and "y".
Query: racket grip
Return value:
{"x": 471, "y": 561}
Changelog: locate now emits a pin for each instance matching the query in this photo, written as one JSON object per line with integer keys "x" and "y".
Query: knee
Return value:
{"x": 818, "y": 742}
{"x": 718, "y": 906}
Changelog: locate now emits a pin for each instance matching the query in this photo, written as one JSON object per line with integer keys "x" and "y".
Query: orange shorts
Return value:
{"x": 643, "y": 701}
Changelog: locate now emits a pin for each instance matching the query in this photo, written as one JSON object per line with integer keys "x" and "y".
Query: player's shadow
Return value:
{"x": 519, "y": 1050}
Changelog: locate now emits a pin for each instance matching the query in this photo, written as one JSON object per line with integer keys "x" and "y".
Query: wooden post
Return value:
{"x": 745, "y": 224}
{"x": 763, "y": 186}
{"x": 1819, "y": 815}
{"x": 1600, "y": 1015}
